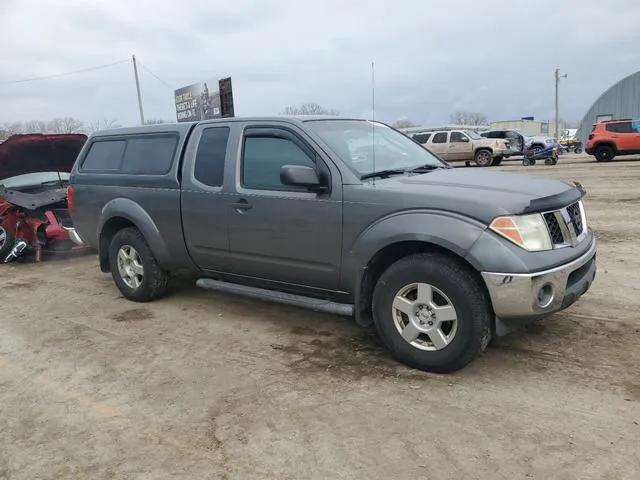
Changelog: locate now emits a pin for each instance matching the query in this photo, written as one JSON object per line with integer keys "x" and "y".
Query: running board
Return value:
{"x": 279, "y": 297}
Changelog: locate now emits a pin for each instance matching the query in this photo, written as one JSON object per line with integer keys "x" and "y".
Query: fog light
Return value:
{"x": 545, "y": 296}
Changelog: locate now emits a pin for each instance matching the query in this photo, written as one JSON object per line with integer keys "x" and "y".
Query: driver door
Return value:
{"x": 282, "y": 233}
{"x": 516, "y": 141}
{"x": 438, "y": 145}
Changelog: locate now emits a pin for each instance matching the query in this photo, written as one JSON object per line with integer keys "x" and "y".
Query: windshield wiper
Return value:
{"x": 384, "y": 173}
{"x": 427, "y": 168}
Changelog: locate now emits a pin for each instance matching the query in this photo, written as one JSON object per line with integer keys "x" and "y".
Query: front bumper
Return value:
{"x": 528, "y": 296}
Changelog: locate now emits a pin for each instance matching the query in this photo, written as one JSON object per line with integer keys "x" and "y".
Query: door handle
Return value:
{"x": 242, "y": 205}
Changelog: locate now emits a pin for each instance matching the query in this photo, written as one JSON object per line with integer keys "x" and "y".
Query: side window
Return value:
{"x": 104, "y": 156}
{"x": 212, "y": 150}
{"x": 149, "y": 155}
{"x": 458, "y": 137}
{"x": 620, "y": 127}
{"x": 511, "y": 135}
{"x": 422, "y": 138}
{"x": 440, "y": 137}
{"x": 263, "y": 157}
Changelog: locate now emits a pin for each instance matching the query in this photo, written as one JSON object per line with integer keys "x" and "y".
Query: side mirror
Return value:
{"x": 301, "y": 176}
{"x": 464, "y": 139}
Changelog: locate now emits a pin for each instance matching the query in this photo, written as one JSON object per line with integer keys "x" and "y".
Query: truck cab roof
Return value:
{"x": 182, "y": 127}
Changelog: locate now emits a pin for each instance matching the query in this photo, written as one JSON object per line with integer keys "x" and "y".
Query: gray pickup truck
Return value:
{"x": 340, "y": 215}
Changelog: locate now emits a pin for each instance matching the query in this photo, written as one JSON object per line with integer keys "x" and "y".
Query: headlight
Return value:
{"x": 527, "y": 231}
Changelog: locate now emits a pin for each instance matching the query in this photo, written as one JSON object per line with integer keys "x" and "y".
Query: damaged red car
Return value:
{"x": 34, "y": 203}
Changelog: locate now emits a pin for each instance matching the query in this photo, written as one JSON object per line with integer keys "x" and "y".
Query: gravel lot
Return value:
{"x": 201, "y": 385}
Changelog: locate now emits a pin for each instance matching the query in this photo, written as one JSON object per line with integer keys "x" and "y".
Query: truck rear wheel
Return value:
{"x": 604, "y": 153}
{"x": 432, "y": 313}
{"x": 135, "y": 270}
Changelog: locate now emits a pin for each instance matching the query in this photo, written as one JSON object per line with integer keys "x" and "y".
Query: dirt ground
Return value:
{"x": 201, "y": 385}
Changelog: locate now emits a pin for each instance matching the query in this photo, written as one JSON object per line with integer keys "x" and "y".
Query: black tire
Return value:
{"x": 532, "y": 161}
{"x": 549, "y": 161}
{"x": 483, "y": 157}
{"x": 604, "y": 153}
{"x": 497, "y": 161}
{"x": 536, "y": 147}
{"x": 526, "y": 162}
{"x": 467, "y": 296}
{"x": 155, "y": 280}
{"x": 7, "y": 241}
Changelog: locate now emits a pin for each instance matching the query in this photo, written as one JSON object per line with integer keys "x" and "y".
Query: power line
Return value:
{"x": 57, "y": 75}
{"x": 155, "y": 76}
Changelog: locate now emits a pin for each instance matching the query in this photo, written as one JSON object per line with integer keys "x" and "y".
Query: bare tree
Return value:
{"x": 65, "y": 125}
{"x": 35, "y": 126}
{"x": 403, "y": 123}
{"x": 104, "y": 124}
{"x": 13, "y": 127}
{"x": 309, "y": 108}
{"x": 468, "y": 118}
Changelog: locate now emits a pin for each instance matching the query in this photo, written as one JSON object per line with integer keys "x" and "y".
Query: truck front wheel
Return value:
{"x": 135, "y": 270}
{"x": 432, "y": 313}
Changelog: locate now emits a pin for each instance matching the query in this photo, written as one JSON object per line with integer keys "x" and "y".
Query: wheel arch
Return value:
{"x": 606, "y": 143}
{"x": 390, "y": 254}
{"x": 423, "y": 231}
{"x": 122, "y": 213}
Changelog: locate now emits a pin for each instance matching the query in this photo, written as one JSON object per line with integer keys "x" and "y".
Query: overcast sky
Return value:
{"x": 431, "y": 57}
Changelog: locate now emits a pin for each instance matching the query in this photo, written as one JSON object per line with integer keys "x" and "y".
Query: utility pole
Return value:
{"x": 135, "y": 73}
{"x": 558, "y": 76}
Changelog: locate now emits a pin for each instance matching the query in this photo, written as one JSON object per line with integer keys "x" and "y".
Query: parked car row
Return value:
{"x": 464, "y": 145}
{"x": 485, "y": 149}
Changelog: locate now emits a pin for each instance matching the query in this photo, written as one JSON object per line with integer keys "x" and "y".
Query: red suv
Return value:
{"x": 612, "y": 138}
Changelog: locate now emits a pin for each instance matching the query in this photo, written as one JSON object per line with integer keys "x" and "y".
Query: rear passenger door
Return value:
{"x": 205, "y": 211}
{"x": 278, "y": 232}
{"x": 438, "y": 145}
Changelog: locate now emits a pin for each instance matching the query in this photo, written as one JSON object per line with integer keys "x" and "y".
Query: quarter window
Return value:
{"x": 212, "y": 150}
{"x": 263, "y": 157}
{"x": 620, "y": 127}
{"x": 422, "y": 138}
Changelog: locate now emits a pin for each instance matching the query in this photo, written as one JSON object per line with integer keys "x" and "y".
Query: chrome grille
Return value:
{"x": 554, "y": 229}
{"x": 566, "y": 227}
{"x": 576, "y": 217}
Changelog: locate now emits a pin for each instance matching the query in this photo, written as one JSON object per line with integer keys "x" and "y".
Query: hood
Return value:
{"x": 37, "y": 152}
{"x": 478, "y": 193}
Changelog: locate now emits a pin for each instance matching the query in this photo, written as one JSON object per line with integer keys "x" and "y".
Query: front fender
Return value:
{"x": 130, "y": 210}
{"x": 448, "y": 230}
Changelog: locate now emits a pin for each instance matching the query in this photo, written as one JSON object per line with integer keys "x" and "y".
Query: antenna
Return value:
{"x": 373, "y": 117}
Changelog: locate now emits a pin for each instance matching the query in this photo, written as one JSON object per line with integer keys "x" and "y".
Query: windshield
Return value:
{"x": 355, "y": 142}
{"x": 473, "y": 135}
{"x": 35, "y": 179}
